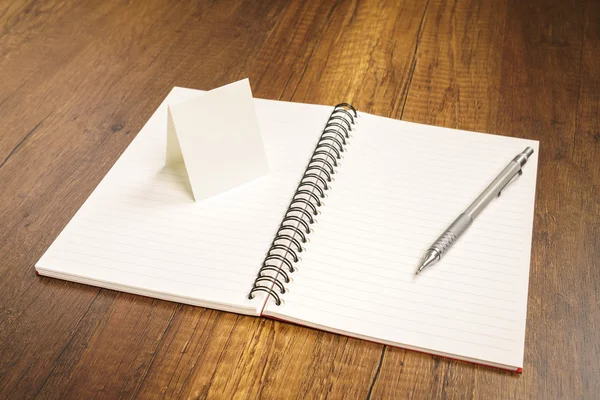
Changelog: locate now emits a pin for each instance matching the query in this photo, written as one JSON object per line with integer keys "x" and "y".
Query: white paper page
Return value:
{"x": 140, "y": 231}
{"x": 399, "y": 188}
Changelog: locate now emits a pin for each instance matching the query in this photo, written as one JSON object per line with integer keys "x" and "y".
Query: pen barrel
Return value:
{"x": 454, "y": 231}
{"x": 493, "y": 189}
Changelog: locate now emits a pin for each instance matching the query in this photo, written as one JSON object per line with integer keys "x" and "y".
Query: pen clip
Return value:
{"x": 514, "y": 178}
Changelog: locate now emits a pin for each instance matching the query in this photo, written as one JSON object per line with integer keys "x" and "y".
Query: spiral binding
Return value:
{"x": 308, "y": 198}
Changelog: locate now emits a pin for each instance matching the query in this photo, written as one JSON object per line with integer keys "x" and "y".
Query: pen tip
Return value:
{"x": 431, "y": 257}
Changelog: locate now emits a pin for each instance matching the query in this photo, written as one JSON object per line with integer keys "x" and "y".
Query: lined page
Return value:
{"x": 399, "y": 188}
{"x": 140, "y": 231}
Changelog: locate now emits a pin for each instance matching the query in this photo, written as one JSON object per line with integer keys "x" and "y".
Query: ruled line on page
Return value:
{"x": 376, "y": 174}
{"x": 395, "y": 252}
{"x": 414, "y": 260}
{"x": 91, "y": 257}
{"x": 383, "y": 239}
{"x": 173, "y": 202}
{"x": 163, "y": 251}
{"x": 395, "y": 317}
{"x": 375, "y": 197}
{"x": 405, "y": 212}
{"x": 384, "y": 232}
{"x": 511, "y": 300}
{"x": 415, "y": 245}
{"x": 326, "y": 311}
{"x": 419, "y": 136}
{"x": 431, "y": 169}
{"x": 243, "y": 231}
{"x": 227, "y": 245}
{"x": 365, "y": 229}
{"x": 155, "y": 228}
{"x": 351, "y": 215}
{"x": 177, "y": 193}
{"x": 195, "y": 285}
{"x": 400, "y": 288}
{"x": 253, "y": 218}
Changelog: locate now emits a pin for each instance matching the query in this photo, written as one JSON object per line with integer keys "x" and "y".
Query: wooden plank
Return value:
{"x": 586, "y": 158}
{"x": 36, "y": 39}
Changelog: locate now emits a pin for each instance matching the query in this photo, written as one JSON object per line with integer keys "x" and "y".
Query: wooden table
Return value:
{"x": 79, "y": 79}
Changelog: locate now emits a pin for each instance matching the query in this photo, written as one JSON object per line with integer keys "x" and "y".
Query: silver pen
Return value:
{"x": 464, "y": 220}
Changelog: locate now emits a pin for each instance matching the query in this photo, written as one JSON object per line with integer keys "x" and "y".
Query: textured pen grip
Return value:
{"x": 444, "y": 242}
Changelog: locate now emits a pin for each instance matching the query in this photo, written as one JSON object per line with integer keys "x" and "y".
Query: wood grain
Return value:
{"x": 80, "y": 78}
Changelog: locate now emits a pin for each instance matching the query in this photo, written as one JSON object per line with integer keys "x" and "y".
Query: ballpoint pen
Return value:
{"x": 464, "y": 220}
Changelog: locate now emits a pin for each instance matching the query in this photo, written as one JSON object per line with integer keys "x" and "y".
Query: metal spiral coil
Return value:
{"x": 304, "y": 207}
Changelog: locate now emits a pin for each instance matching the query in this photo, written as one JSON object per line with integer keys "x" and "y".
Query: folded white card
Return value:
{"x": 217, "y": 138}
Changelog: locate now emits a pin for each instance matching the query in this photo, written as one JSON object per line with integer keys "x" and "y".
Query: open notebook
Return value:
{"x": 348, "y": 269}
